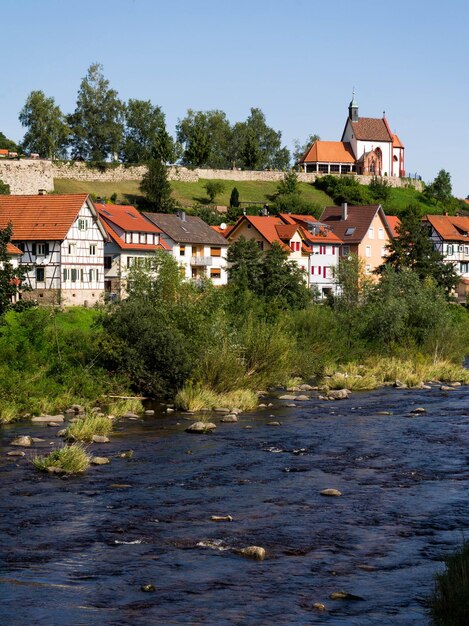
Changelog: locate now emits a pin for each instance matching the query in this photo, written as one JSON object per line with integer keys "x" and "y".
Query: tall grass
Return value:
{"x": 9, "y": 412}
{"x": 84, "y": 429}
{"x": 71, "y": 459}
{"x": 449, "y": 605}
{"x": 120, "y": 406}
{"x": 198, "y": 397}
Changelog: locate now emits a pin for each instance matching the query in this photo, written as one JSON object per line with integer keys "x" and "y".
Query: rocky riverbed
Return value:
{"x": 234, "y": 526}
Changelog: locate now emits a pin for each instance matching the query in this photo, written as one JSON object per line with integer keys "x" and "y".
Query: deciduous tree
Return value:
{"x": 47, "y": 131}
{"x": 440, "y": 189}
{"x": 214, "y": 188}
{"x": 299, "y": 149}
{"x": 145, "y": 135}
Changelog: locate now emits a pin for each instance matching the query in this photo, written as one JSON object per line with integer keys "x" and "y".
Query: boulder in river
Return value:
{"x": 419, "y": 409}
{"x": 339, "y": 394}
{"x": 148, "y": 587}
{"x": 319, "y": 606}
{"x": 100, "y": 439}
{"x": 201, "y": 427}
{"x": 16, "y": 453}
{"x": 221, "y": 518}
{"x": 446, "y": 388}
{"x": 130, "y": 415}
{"x": 287, "y": 396}
{"x": 253, "y": 552}
{"x": 399, "y": 385}
{"x": 25, "y": 441}
{"x": 230, "y": 418}
{"x": 302, "y": 398}
{"x": 334, "y": 493}
{"x": 45, "y": 419}
{"x": 100, "y": 460}
{"x": 149, "y": 412}
{"x": 274, "y": 423}
{"x": 305, "y": 387}
{"x": 344, "y": 595}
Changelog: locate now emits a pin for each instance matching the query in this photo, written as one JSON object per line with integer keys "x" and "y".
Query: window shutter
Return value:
{"x": 34, "y": 248}
{"x": 46, "y": 246}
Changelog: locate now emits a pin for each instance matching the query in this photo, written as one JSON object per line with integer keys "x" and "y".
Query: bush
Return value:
{"x": 449, "y": 605}
{"x": 84, "y": 429}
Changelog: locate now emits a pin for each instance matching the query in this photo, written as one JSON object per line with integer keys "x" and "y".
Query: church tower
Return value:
{"x": 353, "y": 109}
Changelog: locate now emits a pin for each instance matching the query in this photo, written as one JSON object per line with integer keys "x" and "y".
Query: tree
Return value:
{"x": 413, "y": 250}
{"x": 244, "y": 260}
{"x": 379, "y": 189}
{"x": 234, "y": 198}
{"x": 289, "y": 185}
{"x": 8, "y": 144}
{"x": 258, "y": 145}
{"x": 4, "y": 189}
{"x": 145, "y": 135}
{"x": 300, "y": 149}
{"x": 343, "y": 189}
{"x": 214, "y": 188}
{"x": 156, "y": 187}
{"x": 205, "y": 137}
{"x": 47, "y": 131}
{"x": 97, "y": 123}
{"x": 10, "y": 278}
{"x": 440, "y": 189}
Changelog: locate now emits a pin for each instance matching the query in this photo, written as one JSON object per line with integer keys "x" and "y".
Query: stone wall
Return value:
{"x": 28, "y": 176}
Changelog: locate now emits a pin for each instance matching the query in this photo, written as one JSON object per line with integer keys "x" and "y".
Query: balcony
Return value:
{"x": 201, "y": 261}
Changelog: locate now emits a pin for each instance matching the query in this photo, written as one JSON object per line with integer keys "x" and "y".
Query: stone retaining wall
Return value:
{"x": 28, "y": 176}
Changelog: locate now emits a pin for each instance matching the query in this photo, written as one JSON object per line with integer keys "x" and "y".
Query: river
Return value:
{"x": 76, "y": 551}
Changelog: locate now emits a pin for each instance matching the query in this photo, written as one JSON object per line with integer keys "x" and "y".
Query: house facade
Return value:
{"x": 62, "y": 242}
{"x": 450, "y": 237}
{"x": 199, "y": 250}
{"x": 363, "y": 230}
{"x": 368, "y": 147}
{"x": 131, "y": 240}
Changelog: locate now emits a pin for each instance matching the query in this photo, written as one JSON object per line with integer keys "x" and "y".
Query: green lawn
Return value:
{"x": 189, "y": 194}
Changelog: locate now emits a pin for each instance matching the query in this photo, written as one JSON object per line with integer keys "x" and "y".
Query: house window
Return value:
{"x": 344, "y": 169}
{"x": 73, "y": 275}
{"x": 463, "y": 268}
{"x": 81, "y": 275}
{"x": 40, "y": 274}
{"x": 82, "y": 224}
{"x": 368, "y": 251}
{"x": 335, "y": 168}
{"x": 368, "y": 269}
{"x": 345, "y": 250}
{"x": 466, "y": 250}
{"x": 260, "y": 244}
{"x": 461, "y": 248}
{"x": 107, "y": 262}
{"x": 450, "y": 250}
{"x": 215, "y": 251}
{"x": 182, "y": 250}
{"x": 143, "y": 238}
{"x": 215, "y": 272}
{"x": 130, "y": 261}
{"x": 93, "y": 249}
{"x": 41, "y": 249}
{"x": 72, "y": 248}
{"x": 380, "y": 233}
{"x": 65, "y": 275}
{"x": 371, "y": 232}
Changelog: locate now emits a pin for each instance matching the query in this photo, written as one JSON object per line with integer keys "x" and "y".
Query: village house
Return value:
{"x": 450, "y": 237}
{"x": 62, "y": 242}
{"x": 131, "y": 240}
{"x": 363, "y": 230}
{"x": 199, "y": 250}
{"x": 368, "y": 146}
{"x": 310, "y": 244}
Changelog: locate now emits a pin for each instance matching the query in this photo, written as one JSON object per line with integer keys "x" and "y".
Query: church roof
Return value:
{"x": 371, "y": 129}
{"x": 396, "y": 142}
{"x": 329, "y": 152}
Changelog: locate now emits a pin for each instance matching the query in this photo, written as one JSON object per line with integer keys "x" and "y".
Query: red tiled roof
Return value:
{"x": 286, "y": 231}
{"x": 126, "y": 217}
{"x": 371, "y": 129}
{"x": 3, "y": 152}
{"x": 224, "y": 232}
{"x": 396, "y": 142}
{"x": 266, "y": 225}
{"x": 132, "y": 246}
{"x": 11, "y": 249}
{"x": 393, "y": 222}
{"x": 329, "y": 152}
{"x": 450, "y": 228}
{"x": 321, "y": 235}
{"x": 358, "y": 217}
{"x": 47, "y": 217}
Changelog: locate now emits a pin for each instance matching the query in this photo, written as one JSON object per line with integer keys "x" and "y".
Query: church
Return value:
{"x": 367, "y": 147}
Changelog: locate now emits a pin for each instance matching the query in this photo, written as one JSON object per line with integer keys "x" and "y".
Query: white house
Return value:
{"x": 199, "y": 249}
{"x": 131, "y": 240}
{"x": 450, "y": 237}
{"x": 62, "y": 242}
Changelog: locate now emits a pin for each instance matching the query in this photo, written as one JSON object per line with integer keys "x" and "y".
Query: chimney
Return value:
{"x": 344, "y": 211}
{"x": 181, "y": 215}
{"x": 41, "y": 192}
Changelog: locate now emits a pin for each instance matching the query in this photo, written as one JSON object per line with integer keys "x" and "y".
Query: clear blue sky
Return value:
{"x": 295, "y": 59}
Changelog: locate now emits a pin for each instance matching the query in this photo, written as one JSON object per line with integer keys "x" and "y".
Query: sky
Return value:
{"x": 297, "y": 60}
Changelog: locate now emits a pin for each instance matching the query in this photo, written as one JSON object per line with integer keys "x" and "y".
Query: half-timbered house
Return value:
{"x": 62, "y": 243}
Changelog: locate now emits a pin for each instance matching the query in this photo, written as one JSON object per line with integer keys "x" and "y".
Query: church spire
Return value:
{"x": 353, "y": 108}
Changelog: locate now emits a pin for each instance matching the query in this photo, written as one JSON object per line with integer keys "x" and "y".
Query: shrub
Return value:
{"x": 449, "y": 605}
{"x": 198, "y": 397}
{"x": 121, "y": 406}
{"x": 71, "y": 459}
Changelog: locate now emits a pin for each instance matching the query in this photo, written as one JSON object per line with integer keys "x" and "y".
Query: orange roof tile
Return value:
{"x": 393, "y": 222}
{"x": 320, "y": 235}
{"x": 396, "y": 142}
{"x": 371, "y": 129}
{"x": 329, "y": 152}
{"x": 11, "y": 249}
{"x": 149, "y": 247}
{"x": 47, "y": 217}
{"x": 450, "y": 228}
{"x": 126, "y": 217}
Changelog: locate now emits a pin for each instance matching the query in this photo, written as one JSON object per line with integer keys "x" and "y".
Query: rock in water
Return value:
{"x": 148, "y": 587}
{"x": 287, "y": 396}
{"x": 230, "y": 418}
{"x": 253, "y": 552}
{"x": 319, "y": 606}
{"x": 221, "y": 518}
{"x": 344, "y": 595}
{"x": 16, "y": 453}
{"x": 335, "y": 493}
{"x": 339, "y": 394}
{"x": 45, "y": 419}
{"x": 201, "y": 427}
{"x": 100, "y": 439}
{"x": 419, "y": 409}
{"x": 446, "y": 388}
{"x": 25, "y": 441}
{"x": 100, "y": 460}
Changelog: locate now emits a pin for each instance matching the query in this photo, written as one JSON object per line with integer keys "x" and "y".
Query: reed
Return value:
{"x": 71, "y": 459}
{"x": 85, "y": 428}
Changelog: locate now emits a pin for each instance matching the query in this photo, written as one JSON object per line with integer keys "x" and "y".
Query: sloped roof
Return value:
{"x": 393, "y": 222}
{"x": 322, "y": 234}
{"x": 329, "y": 152}
{"x": 11, "y": 249}
{"x": 358, "y": 217}
{"x": 126, "y": 217}
{"x": 450, "y": 228}
{"x": 396, "y": 142}
{"x": 190, "y": 230}
{"x": 371, "y": 129}
{"x": 266, "y": 225}
{"x": 40, "y": 217}
{"x": 113, "y": 236}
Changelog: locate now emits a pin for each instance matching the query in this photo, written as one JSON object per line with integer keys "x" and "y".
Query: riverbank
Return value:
{"x": 91, "y": 543}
